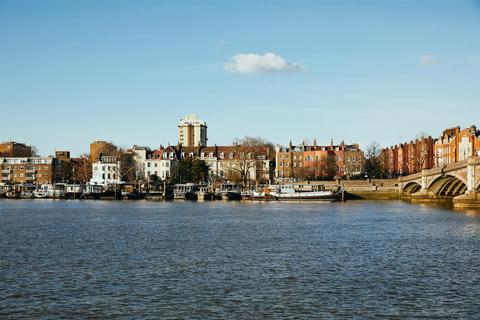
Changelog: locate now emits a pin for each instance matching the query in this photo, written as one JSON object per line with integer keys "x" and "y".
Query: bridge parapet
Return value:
{"x": 467, "y": 171}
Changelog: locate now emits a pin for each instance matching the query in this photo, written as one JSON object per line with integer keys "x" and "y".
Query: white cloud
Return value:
{"x": 428, "y": 60}
{"x": 257, "y": 63}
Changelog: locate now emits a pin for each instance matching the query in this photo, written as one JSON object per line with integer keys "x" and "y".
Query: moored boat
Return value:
{"x": 203, "y": 193}
{"x": 230, "y": 191}
{"x": 185, "y": 191}
{"x": 289, "y": 192}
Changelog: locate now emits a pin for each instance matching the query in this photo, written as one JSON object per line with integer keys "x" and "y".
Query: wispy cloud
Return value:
{"x": 260, "y": 63}
{"x": 428, "y": 60}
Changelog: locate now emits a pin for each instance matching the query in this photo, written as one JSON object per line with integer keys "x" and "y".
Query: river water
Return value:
{"x": 229, "y": 260}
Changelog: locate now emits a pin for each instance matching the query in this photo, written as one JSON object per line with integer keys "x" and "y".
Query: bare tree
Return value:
{"x": 250, "y": 160}
{"x": 34, "y": 151}
{"x": 373, "y": 165}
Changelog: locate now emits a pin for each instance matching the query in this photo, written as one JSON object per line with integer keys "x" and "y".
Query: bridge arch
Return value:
{"x": 477, "y": 187}
{"x": 448, "y": 185}
{"x": 412, "y": 187}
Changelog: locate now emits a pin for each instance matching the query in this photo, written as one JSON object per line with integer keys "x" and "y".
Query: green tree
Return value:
{"x": 199, "y": 171}
{"x": 155, "y": 182}
{"x": 190, "y": 170}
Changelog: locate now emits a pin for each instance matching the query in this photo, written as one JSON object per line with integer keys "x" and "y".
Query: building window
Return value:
{"x": 210, "y": 155}
{"x": 222, "y": 155}
{"x": 230, "y": 155}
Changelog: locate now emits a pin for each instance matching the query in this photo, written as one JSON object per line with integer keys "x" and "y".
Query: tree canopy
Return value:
{"x": 190, "y": 170}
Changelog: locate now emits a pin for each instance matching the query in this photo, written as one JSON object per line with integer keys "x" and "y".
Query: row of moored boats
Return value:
{"x": 188, "y": 191}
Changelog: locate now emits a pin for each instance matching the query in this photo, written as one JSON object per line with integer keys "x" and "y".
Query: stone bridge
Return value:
{"x": 459, "y": 182}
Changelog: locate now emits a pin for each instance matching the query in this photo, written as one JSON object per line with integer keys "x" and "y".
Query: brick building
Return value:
{"x": 456, "y": 145}
{"x": 408, "y": 158}
{"x": 14, "y": 149}
{"x": 34, "y": 170}
{"x": 102, "y": 148}
{"x": 315, "y": 162}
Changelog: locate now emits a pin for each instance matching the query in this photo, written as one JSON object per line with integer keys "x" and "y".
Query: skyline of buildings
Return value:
{"x": 107, "y": 164}
{"x": 453, "y": 145}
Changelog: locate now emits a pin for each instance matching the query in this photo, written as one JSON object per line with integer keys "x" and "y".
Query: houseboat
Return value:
{"x": 92, "y": 191}
{"x": 294, "y": 193}
{"x": 185, "y": 191}
{"x": 74, "y": 191}
{"x": 204, "y": 193}
{"x": 230, "y": 191}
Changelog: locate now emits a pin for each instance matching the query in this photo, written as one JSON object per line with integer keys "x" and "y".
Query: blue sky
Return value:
{"x": 127, "y": 71}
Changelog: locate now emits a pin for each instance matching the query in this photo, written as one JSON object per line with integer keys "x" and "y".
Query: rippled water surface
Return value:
{"x": 100, "y": 259}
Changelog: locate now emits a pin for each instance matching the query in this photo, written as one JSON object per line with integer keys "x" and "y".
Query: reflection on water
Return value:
{"x": 87, "y": 259}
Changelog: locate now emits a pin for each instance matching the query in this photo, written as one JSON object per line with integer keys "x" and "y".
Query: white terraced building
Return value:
{"x": 106, "y": 172}
{"x": 160, "y": 163}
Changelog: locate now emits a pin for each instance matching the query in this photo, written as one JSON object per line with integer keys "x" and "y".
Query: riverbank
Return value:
{"x": 372, "y": 189}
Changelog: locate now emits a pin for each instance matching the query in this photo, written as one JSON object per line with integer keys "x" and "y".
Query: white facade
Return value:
{"x": 464, "y": 149}
{"x": 192, "y": 131}
{"x": 162, "y": 168}
{"x": 106, "y": 173}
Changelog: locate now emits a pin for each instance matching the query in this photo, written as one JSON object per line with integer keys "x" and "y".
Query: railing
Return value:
{"x": 442, "y": 169}
{"x": 30, "y": 178}
{"x": 5, "y": 178}
{"x": 6, "y": 171}
{"x": 30, "y": 171}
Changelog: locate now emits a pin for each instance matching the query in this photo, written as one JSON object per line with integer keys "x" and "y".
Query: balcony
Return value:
{"x": 7, "y": 177}
{"x": 30, "y": 171}
{"x": 6, "y": 171}
{"x": 30, "y": 178}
